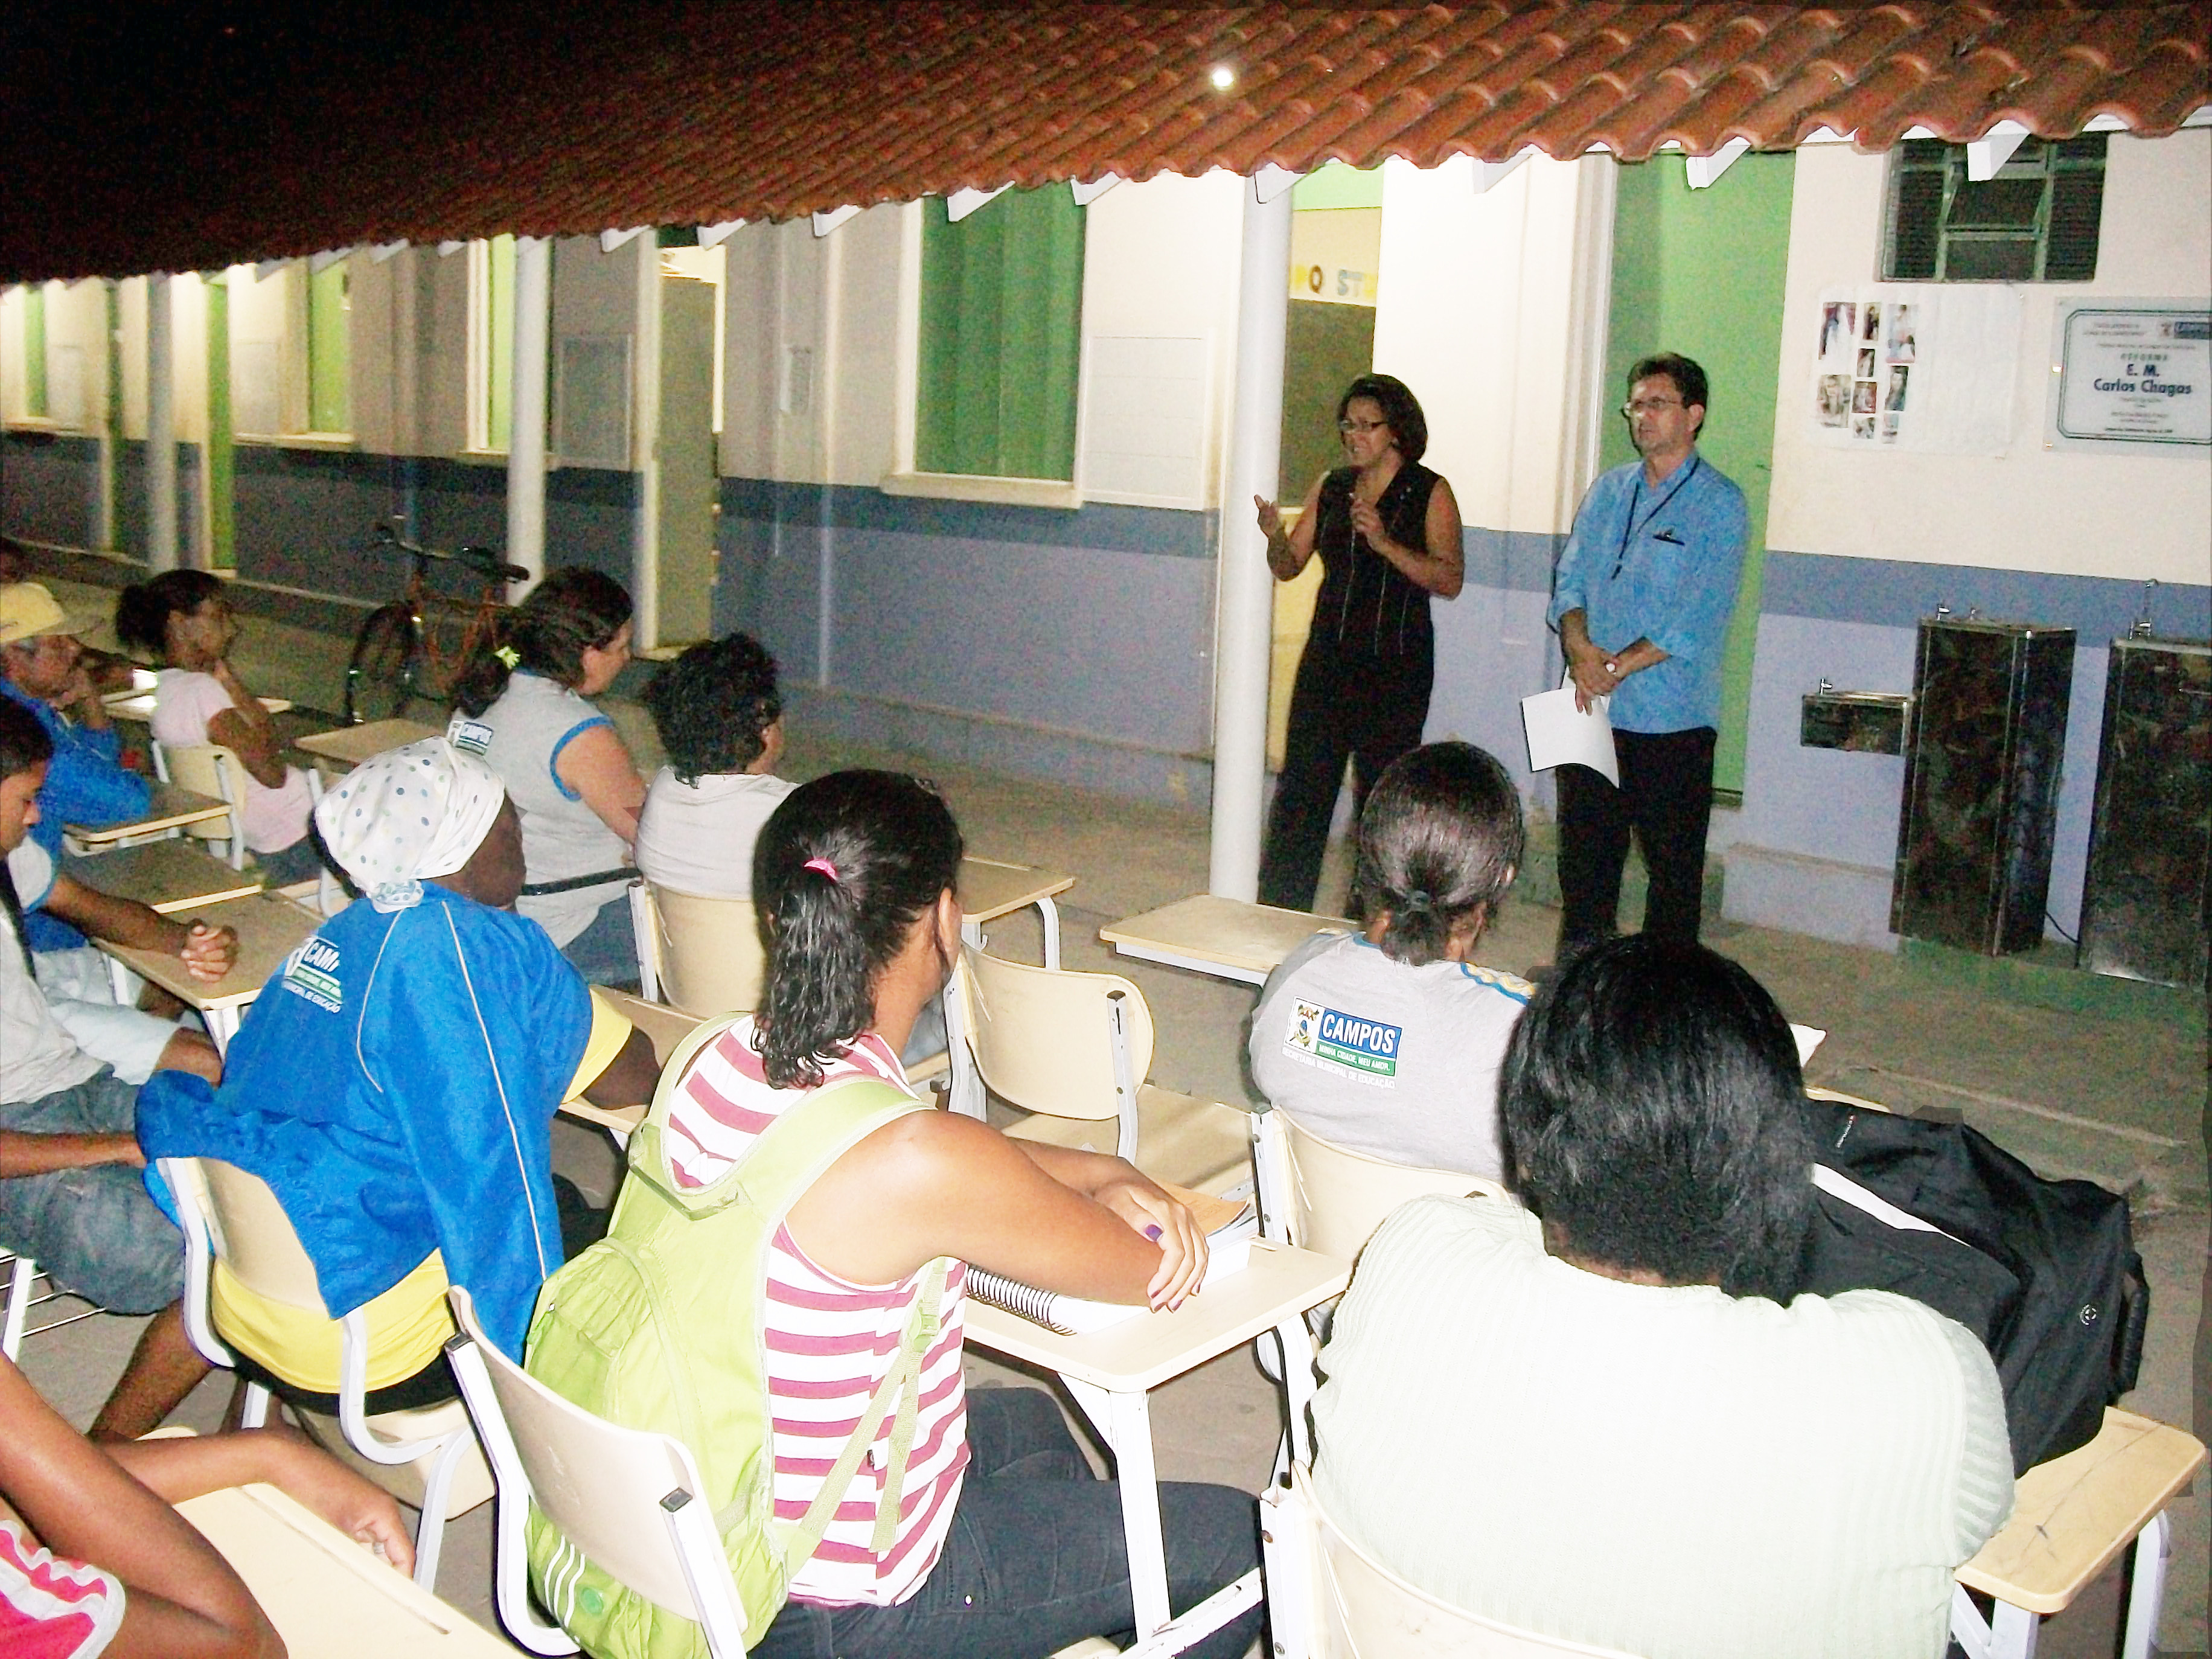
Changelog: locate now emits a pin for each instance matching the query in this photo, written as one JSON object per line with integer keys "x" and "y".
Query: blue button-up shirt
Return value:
{"x": 86, "y": 783}
{"x": 1659, "y": 565}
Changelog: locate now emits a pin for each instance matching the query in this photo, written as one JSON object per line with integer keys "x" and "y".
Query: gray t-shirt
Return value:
{"x": 698, "y": 837}
{"x": 1398, "y": 1062}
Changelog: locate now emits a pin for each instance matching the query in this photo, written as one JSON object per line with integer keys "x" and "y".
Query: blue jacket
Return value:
{"x": 86, "y": 783}
{"x": 395, "y": 1084}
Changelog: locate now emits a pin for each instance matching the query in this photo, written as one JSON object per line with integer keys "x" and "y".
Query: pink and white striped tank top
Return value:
{"x": 830, "y": 1344}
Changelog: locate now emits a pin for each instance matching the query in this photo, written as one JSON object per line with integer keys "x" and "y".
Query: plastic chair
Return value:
{"x": 208, "y": 769}
{"x": 23, "y": 1278}
{"x": 707, "y": 954}
{"x": 425, "y": 1455}
{"x": 1073, "y": 1049}
{"x": 1328, "y": 1599}
{"x": 1321, "y": 1196}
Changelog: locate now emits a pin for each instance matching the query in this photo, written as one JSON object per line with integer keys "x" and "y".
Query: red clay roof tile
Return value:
{"x": 774, "y": 110}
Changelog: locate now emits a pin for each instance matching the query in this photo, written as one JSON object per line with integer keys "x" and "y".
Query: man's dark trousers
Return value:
{"x": 1666, "y": 796}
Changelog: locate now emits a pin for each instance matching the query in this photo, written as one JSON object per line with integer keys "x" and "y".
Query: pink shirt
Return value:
{"x": 184, "y": 702}
{"x": 831, "y": 1343}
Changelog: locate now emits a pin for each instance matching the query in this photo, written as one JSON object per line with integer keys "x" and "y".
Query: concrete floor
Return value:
{"x": 2115, "y": 1094}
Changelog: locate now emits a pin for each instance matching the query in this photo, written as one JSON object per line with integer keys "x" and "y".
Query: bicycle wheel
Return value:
{"x": 381, "y": 676}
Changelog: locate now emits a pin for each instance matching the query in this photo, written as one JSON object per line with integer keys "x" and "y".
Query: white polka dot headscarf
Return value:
{"x": 413, "y": 812}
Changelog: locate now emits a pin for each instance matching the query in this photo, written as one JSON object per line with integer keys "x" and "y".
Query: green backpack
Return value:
{"x": 659, "y": 1326}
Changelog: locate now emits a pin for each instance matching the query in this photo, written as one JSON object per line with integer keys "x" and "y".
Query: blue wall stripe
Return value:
{"x": 1169, "y": 532}
{"x": 1897, "y": 593}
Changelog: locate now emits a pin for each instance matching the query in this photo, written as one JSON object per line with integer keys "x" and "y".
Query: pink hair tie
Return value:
{"x": 824, "y": 866}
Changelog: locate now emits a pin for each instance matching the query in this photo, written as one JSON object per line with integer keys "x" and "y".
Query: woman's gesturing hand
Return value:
{"x": 1270, "y": 517}
{"x": 1167, "y": 1223}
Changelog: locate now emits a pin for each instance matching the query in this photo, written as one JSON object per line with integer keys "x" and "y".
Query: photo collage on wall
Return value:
{"x": 1868, "y": 350}
{"x": 1917, "y": 366}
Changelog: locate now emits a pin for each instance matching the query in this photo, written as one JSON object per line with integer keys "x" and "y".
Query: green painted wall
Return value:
{"x": 1335, "y": 185}
{"x": 330, "y": 397}
{"x": 34, "y": 350}
{"x": 1700, "y": 272}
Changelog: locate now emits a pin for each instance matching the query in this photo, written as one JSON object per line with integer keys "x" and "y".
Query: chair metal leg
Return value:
{"x": 437, "y": 1489}
{"x": 1050, "y": 913}
{"x": 2146, "y": 1588}
{"x": 510, "y": 1560}
{"x": 1125, "y": 1421}
{"x": 706, "y": 1571}
{"x": 22, "y": 1274}
{"x": 253, "y": 1408}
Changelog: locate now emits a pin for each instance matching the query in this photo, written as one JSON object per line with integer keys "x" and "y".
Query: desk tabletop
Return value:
{"x": 990, "y": 889}
{"x": 1281, "y": 1282}
{"x": 139, "y": 705}
{"x": 168, "y": 876}
{"x": 2072, "y": 1515}
{"x": 1252, "y": 938}
{"x": 170, "y": 808}
{"x": 353, "y": 744}
{"x": 324, "y": 1593}
{"x": 268, "y": 929}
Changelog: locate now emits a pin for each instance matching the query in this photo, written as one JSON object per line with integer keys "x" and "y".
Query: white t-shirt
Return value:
{"x": 1398, "y": 1062}
{"x": 37, "y": 1057}
{"x": 1668, "y": 1470}
{"x": 184, "y": 702}
{"x": 698, "y": 837}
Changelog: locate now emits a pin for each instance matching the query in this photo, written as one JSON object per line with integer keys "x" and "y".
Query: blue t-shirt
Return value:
{"x": 395, "y": 1084}
{"x": 86, "y": 783}
{"x": 1658, "y": 564}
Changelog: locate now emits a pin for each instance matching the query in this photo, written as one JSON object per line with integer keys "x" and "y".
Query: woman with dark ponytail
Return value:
{"x": 1388, "y": 1041}
{"x": 524, "y": 705}
{"x": 853, "y": 875}
{"x": 182, "y": 620}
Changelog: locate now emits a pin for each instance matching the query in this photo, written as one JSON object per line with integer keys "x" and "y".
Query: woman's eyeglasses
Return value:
{"x": 1349, "y": 426}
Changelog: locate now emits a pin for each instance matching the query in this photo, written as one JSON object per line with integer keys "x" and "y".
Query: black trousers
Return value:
{"x": 1666, "y": 797}
{"x": 1343, "y": 705}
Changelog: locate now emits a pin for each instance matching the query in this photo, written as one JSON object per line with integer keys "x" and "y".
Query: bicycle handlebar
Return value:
{"x": 388, "y": 537}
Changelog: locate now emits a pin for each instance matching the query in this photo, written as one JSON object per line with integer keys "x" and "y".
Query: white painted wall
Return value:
{"x": 594, "y": 294}
{"x": 1475, "y": 313}
{"x": 261, "y": 311}
{"x": 774, "y": 301}
{"x": 77, "y": 323}
{"x": 2065, "y": 513}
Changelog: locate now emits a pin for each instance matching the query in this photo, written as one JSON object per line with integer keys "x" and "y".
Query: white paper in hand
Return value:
{"x": 1559, "y": 734}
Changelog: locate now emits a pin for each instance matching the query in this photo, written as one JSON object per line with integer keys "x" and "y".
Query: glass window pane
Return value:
{"x": 2077, "y": 197}
{"x": 1990, "y": 259}
{"x": 1913, "y": 241}
{"x": 329, "y": 401}
{"x": 1995, "y": 205}
{"x": 34, "y": 350}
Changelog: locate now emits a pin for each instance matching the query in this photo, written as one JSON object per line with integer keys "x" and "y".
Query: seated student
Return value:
{"x": 1644, "y": 1451}
{"x": 1005, "y": 1544}
{"x": 1388, "y": 1041}
{"x": 525, "y": 706}
{"x": 81, "y": 994}
{"x": 396, "y": 1083}
{"x": 94, "y": 1561}
{"x": 43, "y": 669}
{"x": 70, "y": 1196}
{"x": 721, "y": 722}
{"x": 183, "y": 620}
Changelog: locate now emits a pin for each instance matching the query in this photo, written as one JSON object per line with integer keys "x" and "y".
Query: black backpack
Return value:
{"x": 2044, "y": 1271}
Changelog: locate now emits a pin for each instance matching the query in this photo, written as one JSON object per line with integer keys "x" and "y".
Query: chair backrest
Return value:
{"x": 1353, "y": 1607}
{"x": 601, "y": 1486}
{"x": 209, "y": 768}
{"x": 1042, "y": 1037}
{"x": 1339, "y": 1197}
{"x": 711, "y": 959}
{"x": 250, "y": 1233}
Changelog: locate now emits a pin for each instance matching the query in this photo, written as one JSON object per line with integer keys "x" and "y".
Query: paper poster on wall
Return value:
{"x": 2137, "y": 372}
{"x": 1919, "y": 365}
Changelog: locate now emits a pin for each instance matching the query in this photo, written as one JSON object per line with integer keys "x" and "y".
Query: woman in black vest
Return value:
{"x": 1387, "y": 531}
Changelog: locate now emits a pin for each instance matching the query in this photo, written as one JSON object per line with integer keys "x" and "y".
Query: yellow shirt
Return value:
{"x": 409, "y": 1322}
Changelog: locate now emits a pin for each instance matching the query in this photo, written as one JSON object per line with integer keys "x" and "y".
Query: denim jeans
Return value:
{"x": 1035, "y": 1560}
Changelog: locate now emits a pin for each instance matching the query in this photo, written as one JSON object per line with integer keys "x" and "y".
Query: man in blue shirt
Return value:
{"x": 42, "y": 667}
{"x": 1641, "y": 601}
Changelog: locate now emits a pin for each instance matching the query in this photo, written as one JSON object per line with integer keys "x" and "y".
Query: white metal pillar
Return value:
{"x": 160, "y": 424}
{"x": 1245, "y": 599}
{"x": 525, "y": 443}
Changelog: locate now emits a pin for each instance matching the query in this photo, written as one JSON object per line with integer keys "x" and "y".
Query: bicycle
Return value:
{"x": 409, "y": 650}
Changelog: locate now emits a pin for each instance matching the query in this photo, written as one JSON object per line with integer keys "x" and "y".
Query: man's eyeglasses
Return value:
{"x": 1349, "y": 426}
{"x": 1649, "y": 406}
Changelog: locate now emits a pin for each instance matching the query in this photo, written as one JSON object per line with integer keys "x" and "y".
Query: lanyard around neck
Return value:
{"x": 1628, "y": 529}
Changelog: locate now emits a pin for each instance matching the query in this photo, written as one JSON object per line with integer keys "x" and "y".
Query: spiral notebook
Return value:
{"x": 1230, "y": 1229}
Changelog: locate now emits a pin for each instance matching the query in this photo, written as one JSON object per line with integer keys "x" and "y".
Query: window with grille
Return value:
{"x": 2036, "y": 221}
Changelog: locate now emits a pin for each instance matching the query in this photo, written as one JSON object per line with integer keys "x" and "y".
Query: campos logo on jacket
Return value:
{"x": 1367, "y": 1048}
{"x": 312, "y": 971}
